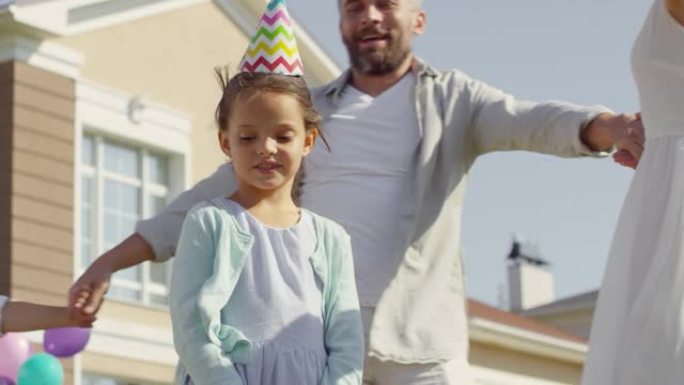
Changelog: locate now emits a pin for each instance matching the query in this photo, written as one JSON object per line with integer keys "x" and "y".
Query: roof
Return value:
{"x": 581, "y": 301}
{"x": 480, "y": 310}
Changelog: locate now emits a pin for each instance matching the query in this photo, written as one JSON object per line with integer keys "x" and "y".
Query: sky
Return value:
{"x": 571, "y": 50}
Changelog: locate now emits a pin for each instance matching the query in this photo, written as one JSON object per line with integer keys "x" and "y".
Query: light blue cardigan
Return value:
{"x": 209, "y": 258}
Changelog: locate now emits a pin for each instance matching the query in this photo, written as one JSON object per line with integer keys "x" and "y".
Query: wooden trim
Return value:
{"x": 6, "y": 137}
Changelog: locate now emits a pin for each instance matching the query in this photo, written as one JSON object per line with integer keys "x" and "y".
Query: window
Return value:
{"x": 121, "y": 184}
{"x": 94, "y": 379}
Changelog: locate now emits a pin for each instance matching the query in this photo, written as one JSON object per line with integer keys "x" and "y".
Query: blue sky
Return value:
{"x": 571, "y": 50}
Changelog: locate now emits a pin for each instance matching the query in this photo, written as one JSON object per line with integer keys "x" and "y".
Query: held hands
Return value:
{"x": 624, "y": 132}
{"x": 87, "y": 293}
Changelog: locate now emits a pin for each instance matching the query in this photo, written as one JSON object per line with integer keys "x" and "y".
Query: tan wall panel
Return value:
{"x": 39, "y": 166}
{"x": 45, "y": 280}
{"x": 36, "y": 233}
{"x": 118, "y": 367}
{"x": 577, "y": 322}
{"x": 6, "y": 94}
{"x": 524, "y": 364}
{"x": 113, "y": 309}
{"x": 6, "y": 72}
{"x": 41, "y": 195}
{"x": 36, "y": 256}
{"x": 57, "y": 105}
{"x": 180, "y": 50}
{"x": 34, "y": 188}
{"x": 43, "y": 213}
{"x": 6, "y": 135}
{"x": 46, "y": 124}
{"x": 26, "y": 74}
{"x": 54, "y": 297}
{"x": 39, "y": 144}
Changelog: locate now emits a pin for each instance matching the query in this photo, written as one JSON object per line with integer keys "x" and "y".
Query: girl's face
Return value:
{"x": 266, "y": 140}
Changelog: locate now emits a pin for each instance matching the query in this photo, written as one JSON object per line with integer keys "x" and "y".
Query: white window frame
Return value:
{"x": 145, "y": 125}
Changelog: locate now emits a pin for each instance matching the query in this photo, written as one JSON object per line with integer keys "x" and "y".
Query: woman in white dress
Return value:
{"x": 637, "y": 337}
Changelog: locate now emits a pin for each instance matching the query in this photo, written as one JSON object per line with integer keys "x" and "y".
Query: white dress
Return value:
{"x": 637, "y": 336}
{"x": 277, "y": 304}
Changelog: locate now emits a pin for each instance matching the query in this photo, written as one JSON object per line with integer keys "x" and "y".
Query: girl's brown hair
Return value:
{"x": 246, "y": 84}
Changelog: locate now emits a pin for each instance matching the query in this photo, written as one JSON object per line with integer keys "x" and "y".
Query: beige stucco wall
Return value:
{"x": 170, "y": 58}
{"x": 514, "y": 367}
{"x": 577, "y": 322}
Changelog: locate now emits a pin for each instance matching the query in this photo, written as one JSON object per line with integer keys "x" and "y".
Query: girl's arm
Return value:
{"x": 197, "y": 343}
{"x": 343, "y": 328}
{"x": 676, "y": 8}
{"x": 24, "y": 316}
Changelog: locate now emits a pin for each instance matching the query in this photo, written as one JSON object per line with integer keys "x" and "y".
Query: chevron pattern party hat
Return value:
{"x": 273, "y": 48}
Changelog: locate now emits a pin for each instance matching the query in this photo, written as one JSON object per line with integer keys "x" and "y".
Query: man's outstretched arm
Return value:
{"x": 86, "y": 294}
{"x": 155, "y": 239}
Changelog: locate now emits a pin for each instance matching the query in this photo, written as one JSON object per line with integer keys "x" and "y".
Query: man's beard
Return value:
{"x": 378, "y": 62}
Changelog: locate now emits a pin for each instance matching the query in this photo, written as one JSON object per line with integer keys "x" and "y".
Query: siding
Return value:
{"x": 36, "y": 186}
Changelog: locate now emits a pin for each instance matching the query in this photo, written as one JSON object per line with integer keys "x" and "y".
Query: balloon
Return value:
{"x": 14, "y": 350}
{"x": 65, "y": 342}
{"x": 41, "y": 369}
{"x": 6, "y": 381}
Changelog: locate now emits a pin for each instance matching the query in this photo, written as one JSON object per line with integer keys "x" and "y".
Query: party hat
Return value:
{"x": 273, "y": 48}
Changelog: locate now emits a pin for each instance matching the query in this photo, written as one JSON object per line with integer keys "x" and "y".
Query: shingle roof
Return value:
{"x": 480, "y": 310}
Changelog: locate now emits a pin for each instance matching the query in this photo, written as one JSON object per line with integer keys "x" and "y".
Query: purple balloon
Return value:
{"x": 6, "y": 381}
{"x": 65, "y": 342}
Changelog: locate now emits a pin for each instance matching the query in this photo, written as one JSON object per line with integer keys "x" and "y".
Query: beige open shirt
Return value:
{"x": 421, "y": 316}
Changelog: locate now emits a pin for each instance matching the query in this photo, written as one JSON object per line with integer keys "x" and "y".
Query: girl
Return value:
{"x": 24, "y": 316}
{"x": 637, "y": 336}
{"x": 263, "y": 291}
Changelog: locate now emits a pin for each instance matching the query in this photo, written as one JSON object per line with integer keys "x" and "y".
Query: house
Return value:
{"x": 106, "y": 114}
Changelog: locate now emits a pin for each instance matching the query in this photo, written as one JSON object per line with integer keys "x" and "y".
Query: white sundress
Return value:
{"x": 637, "y": 336}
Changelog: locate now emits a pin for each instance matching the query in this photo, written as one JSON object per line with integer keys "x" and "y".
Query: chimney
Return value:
{"x": 530, "y": 284}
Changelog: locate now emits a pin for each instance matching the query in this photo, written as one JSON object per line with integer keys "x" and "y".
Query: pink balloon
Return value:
{"x": 14, "y": 350}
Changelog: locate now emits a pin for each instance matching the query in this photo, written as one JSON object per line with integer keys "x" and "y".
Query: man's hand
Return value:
{"x": 624, "y": 132}
{"x": 87, "y": 293}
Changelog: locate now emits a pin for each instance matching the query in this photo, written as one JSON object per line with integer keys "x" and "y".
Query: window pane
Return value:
{"x": 123, "y": 292}
{"x": 159, "y": 273}
{"x": 157, "y": 169}
{"x": 88, "y": 151}
{"x": 155, "y": 204}
{"x": 161, "y": 300}
{"x": 87, "y": 225}
{"x": 121, "y": 212}
{"x": 121, "y": 160}
{"x": 97, "y": 380}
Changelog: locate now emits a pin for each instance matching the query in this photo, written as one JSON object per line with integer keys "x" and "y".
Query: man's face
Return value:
{"x": 378, "y": 34}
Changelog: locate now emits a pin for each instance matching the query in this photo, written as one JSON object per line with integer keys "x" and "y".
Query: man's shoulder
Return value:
{"x": 454, "y": 77}
{"x": 209, "y": 211}
{"x": 329, "y": 226}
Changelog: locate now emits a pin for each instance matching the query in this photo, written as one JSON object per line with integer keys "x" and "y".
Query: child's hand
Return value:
{"x": 85, "y": 321}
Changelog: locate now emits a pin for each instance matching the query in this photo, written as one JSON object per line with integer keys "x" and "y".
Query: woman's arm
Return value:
{"x": 676, "y": 8}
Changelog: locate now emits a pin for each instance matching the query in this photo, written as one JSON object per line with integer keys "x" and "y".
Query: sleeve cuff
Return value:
{"x": 153, "y": 232}
{"x": 590, "y": 114}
